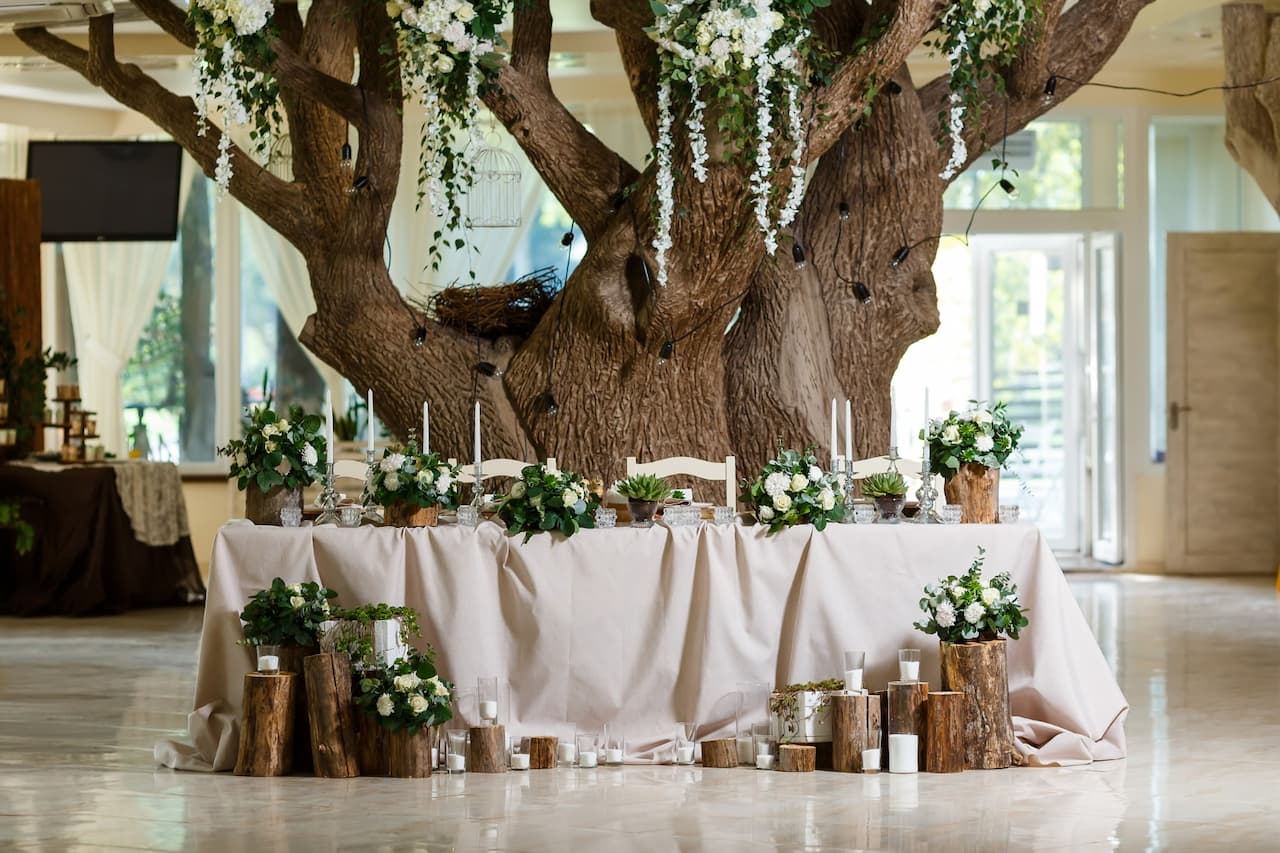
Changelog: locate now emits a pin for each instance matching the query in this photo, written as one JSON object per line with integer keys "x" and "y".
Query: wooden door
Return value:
{"x": 1224, "y": 399}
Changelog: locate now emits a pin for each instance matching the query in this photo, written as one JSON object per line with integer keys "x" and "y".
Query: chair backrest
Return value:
{"x": 490, "y": 468}
{"x": 909, "y": 468}
{"x": 350, "y": 469}
{"x": 687, "y": 465}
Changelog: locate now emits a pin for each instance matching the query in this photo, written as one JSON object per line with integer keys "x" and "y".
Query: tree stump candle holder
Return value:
{"x": 263, "y": 508}
{"x": 409, "y": 752}
{"x": 331, "y": 713}
{"x": 487, "y": 749}
{"x": 402, "y": 514}
{"x": 852, "y": 716}
{"x": 976, "y": 488}
{"x": 266, "y": 725}
{"x": 722, "y": 752}
{"x": 795, "y": 758}
{"x": 883, "y": 697}
{"x": 542, "y": 752}
{"x": 980, "y": 671}
{"x": 944, "y": 741}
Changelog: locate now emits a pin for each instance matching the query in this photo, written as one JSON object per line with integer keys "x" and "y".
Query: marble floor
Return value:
{"x": 82, "y": 701}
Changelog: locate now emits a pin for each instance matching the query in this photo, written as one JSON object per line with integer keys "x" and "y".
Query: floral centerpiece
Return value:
{"x": 791, "y": 490}
{"x": 968, "y": 449}
{"x": 274, "y": 459}
{"x": 286, "y": 614}
{"x": 413, "y": 486}
{"x": 408, "y": 698}
{"x": 543, "y": 500}
{"x": 971, "y": 617}
{"x": 749, "y": 58}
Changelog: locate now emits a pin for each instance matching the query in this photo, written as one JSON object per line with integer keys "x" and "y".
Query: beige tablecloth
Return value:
{"x": 641, "y": 628}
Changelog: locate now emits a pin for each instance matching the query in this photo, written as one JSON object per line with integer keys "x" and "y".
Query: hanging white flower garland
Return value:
{"x": 666, "y": 182}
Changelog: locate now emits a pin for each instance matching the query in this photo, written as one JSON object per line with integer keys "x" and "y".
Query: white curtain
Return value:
{"x": 286, "y": 277}
{"x": 13, "y": 150}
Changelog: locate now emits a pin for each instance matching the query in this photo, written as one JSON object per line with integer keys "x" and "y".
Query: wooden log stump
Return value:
{"x": 409, "y": 752}
{"x": 291, "y": 660}
{"x": 852, "y": 716}
{"x": 980, "y": 671}
{"x": 331, "y": 714}
{"x": 794, "y": 758}
{"x": 487, "y": 749}
{"x": 908, "y": 711}
{"x": 266, "y": 725}
{"x": 945, "y": 752}
{"x": 720, "y": 753}
{"x": 542, "y": 752}
{"x": 882, "y": 703}
{"x": 976, "y": 488}
{"x": 371, "y": 740}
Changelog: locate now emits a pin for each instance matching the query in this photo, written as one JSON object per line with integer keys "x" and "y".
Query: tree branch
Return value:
{"x": 169, "y": 18}
{"x": 581, "y": 171}
{"x": 640, "y": 59}
{"x": 278, "y": 203}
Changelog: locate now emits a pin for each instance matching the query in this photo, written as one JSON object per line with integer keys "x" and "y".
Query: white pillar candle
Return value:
{"x": 613, "y": 755}
{"x": 893, "y": 418}
{"x": 833, "y": 432}
{"x": 870, "y": 761}
{"x": 903, "y": 753}
{"x": 268, "y": 663}
{"x": 565, "y": 753}
{"x": 746, "y": 751}
{"x": 488, "y": 710}
{"x": 684, "y": 755}
{"x": 587, "y": 759}
{"x": 853, "y": 680}
{"x": 457, "y": 763}
{"x": 764, "y": 762}
{"x": 848, "y": 430}
{"x": 520, "y": 761}
{"x": 908, "y": 670}
{"x": 762, "y": 749}
{"x": 476, "y": 449}
{"x": 435, "y": 759}
{"x": 368, "y": 422}
{"x": 328, "y": 432}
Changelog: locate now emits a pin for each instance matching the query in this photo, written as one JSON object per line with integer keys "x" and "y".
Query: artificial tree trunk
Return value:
{"x": 1251, "y": 51}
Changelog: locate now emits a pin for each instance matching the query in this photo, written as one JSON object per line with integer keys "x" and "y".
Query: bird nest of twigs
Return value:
{"x": 513, "y": 308}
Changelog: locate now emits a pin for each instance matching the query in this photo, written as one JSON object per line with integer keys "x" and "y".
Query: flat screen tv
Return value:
{"x": 108, "y": 191}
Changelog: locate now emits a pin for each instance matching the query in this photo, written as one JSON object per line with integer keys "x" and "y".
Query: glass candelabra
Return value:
{"x": 927, "y": 495}
{"x": 845, "y": 470}
{"x": 328, "y": 500}
{"x": 372, "y": 513}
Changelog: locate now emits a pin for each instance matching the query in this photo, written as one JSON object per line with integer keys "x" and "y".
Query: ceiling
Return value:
{"x": 1170, "y": 34}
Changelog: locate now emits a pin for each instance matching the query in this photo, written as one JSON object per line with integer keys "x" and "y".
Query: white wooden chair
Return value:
{"x": 687, "y": 465}
{"x": 911, "y": 469}
{"x": 490, "y": 468}
{"x": 350, "y": 469}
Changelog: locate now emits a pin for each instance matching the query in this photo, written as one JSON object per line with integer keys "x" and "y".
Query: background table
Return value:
{"x": 641, "y": 628}
{"x": 90, "y": 555}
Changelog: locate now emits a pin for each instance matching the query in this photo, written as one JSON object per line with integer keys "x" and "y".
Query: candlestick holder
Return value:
{"x": 328, "y": 500}
{"x": 848, "y": 496}
{"x": 927, "y": 495}
{"x": 893, "y": 459}
{"x": 372, "y": 513}
{"x": 477, "y": 498}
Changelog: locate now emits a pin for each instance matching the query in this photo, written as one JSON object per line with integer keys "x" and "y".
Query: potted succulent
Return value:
{"x": 643, "y": 493}
{"x": 968, "y": 449}
{"x": 889, "y": 491}
{"x": 274, "y": 459}
{"x": 412, "y": 486}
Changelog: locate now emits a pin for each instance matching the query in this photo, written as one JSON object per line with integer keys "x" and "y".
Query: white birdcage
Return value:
{"x": 494, "y": 198}
{"x": 280, "y": 157}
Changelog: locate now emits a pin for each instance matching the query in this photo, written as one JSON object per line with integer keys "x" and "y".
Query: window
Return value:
{"x": 540, "y": 245}
{"x": 1049, "y": 159}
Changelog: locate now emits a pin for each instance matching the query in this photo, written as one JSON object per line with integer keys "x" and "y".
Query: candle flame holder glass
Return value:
{"x": 864, "y": 513}
{"x": 721, "y": 515}
{"x": 684, "y": 742}
{"x": 588, "y": 748}
{"x": 908, "y": 664}
{"x": 487, "y": 699}
{"x": 268, "y": 659}
{"x": 455, "y": 760}
{"x": 350, "y": 515}
{"x": 854, "y": 663}
{"x": 291, "y": 516}
{"x": 615, "y": 748}
{"x": 871, "y": 754}
{"x": 904, "y": 740}
{"x": 468, "y": 515}
{"x": 519, "y": 753}
{"x": 1009, "y": 513}
{"x": 951, "y": 513}
{"x": 766, "y": 750}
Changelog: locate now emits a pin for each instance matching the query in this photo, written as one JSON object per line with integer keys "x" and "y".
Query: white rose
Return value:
{"x": 518, "y": 489}
{"x": 983, "y": 443}
{"x": 465, "y": 12}
{"x": 443, "y": 482}
{"x": 569, "y": 497}
{"x": 798, "y": 482}
{"x": 282, "y": 425}
{"x": 392, "y": 462}
{"x": 815, "y": 473}
{"x": 766, "y": 514}
{"x": 827, "y": 498}
{"x": 385, "y": 705}
{"x": 296, "y": 588}
{"x": 990, "y": 596}
{"x": 296, "y": 601}
{"x": 418, "y": 703}
{"x": 957, "y": 591}
{"x": 974, "y": 612}
{"x": 241, "y": 459}
{"x": 950, "y": 434}
{"x": 309, "y": 455}
{"x": 782, "y": 502}
{"x": 392, "y": 482}
{"x": 270, "y": 446}
{"x": 270, "y": 430}
{"x": 982, "y": 416}
{"x": 408, "y": 681}
{"x": 444, "y": 63}
{"x": 410, "y": 16}
{"x": 426, "y": 477}
{"x": 437, "y": 686}
{"x": 456, "y": 35}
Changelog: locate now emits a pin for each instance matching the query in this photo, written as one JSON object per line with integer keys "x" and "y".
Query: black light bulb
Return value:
{"x": 567, "y": 239}
{"x": 1009, "y": 188}
{"x": 901, "y": 255}
{"x": 861, "y": 292}
{"x": 668, "y": 350}
{"x": 1050, "y": 87}
{"x": 893, "y": 88}
{"x": 347, "y": 162}
{"x": 488, "y": 368}
{"x": 358, "y": 184}
{"x": 844, "y": 211}
{"x": 549, "y": 404}
{"x": 797, "y": 254}
{"x": 420, "y": 337}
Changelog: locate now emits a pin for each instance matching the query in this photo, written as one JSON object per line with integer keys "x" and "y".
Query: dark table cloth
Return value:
{"x": 86, "y": 558}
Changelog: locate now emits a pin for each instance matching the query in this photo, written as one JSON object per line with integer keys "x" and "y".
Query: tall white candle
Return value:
{"x": 893, "y": 418}
{"x": 853, "y": 680}
{"x": 903, "y": 753}
{"x": 488, "y": 710}
{"x": 426, "y": 428}
{"x": 926, "y": 421}
{"x": 328, "y": 419}
{"x": 476, "y": 449}
{"x": 848, "y": 430}
{"x": 368, "y": 421}
{"x": 834, "y": 451}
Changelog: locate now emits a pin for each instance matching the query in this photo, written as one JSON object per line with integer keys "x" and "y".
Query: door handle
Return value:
{"x": 1175, "y": 412}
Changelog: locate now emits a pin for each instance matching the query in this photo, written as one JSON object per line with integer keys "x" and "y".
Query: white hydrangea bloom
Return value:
{"x": 990, "y": 596}
{"x": 815, "y": 473}
{"x": 392, "y": 462}
{"x": 945, "y": 615}
{"x": 974, "y": 612}
{"x": 776, "y": 483}
{"x": 983, "y": 443}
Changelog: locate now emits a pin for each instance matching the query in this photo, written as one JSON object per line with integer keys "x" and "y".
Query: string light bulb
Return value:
{"x": 488, "y": 368}
{"x": 549, "y": 403}
{"x": 347, "y": 163}
{"x": 893, "y": 88}
{"x": 667, "y": 352}
{"x": 901, "y": 255}
{"x": 861, "y": 292}
{"x": 1050, "y": 87}
{"x": 844, "y": 211}
{"x": 797, "y": 254}
{"x": 1008, "y": 187}
{"x": 567, "y": 239}
{"x": 420, "y": 337}
{"x": 358, "y": 184}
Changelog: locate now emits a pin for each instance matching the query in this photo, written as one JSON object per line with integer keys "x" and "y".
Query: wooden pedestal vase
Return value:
{"x": 976, "y": 488}
{"x": 980, "y": 672}
{"x": 487, "y": 749}
{"x": 266, "y": 725}
{"x": 722, "y": 752}
{"x": 409, "y": 753}
{"x": 264, "y": 507}
{"x": 401, "y": 514}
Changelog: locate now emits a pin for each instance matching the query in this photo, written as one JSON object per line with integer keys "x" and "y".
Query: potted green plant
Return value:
{"x": 889, "y": 491}
{"x": 274, "y": 459}
{"x": 283, "y": 618}
{"x": 792, "y": 489}
{"x": 374, "y": 635}
{"x": 412, "y": 486}
{"x": 643, "y": 493}
{"x": 799, "y": 713}
{"x": 409, "y": 699}
{"x": 968, "y": 449}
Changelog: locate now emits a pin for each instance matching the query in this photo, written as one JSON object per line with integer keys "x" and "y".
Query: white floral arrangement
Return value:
{"x": 967, "y": 608}
{"x": 406, "y": 475}
{"x": 543, "y": 501}
{"x": 276, "y": 451}
{"x": 409, "y": 694}
{"x": 792, "y": 489}
{"x": 727, "y": 47}
{"x": 980, "y": 434}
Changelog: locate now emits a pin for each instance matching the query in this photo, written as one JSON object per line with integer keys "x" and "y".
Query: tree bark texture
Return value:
{"x": 487, "y": 749}
{"x": 793, "y": 758}
{"x": 335, "y": 748}
{"x": 976, "y": 488}
{"x": 409, "y": 752}
{"x": 980, "y": 672}
{"x": 542, "y": 752}
{"x": 1251, "y": 48}
{"x": 852, "y": 716}
{"x": 800, "y": 336}
{"x": 944, "y": 747}
{"x": 721, "y": 752}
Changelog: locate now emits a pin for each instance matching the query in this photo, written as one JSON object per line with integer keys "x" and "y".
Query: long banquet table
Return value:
{"x": 641, "y": 628}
